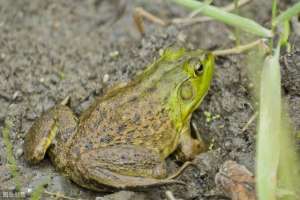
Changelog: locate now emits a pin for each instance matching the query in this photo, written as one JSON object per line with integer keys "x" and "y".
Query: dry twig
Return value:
{"x": 252, "y": 118}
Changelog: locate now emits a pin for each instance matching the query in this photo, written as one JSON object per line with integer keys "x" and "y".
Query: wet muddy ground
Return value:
{"x": 51, "y": 49}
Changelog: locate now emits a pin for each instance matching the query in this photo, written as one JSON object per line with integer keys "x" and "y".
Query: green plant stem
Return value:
{"x": 227, "y": 18}
{"x": 274, "y": 12}
{"x": 238, "y": 49}
{"x": 237, "y": 31}
{"x": 287, "y": 15}
{"x": 269, "y": 127}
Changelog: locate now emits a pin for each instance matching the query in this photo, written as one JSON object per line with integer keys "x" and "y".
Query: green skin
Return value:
{"x": 123, "y": 139}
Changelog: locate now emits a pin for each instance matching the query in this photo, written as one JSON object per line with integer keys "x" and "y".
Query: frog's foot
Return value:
{"x": 189, "y": 147}
{"x": 123, "y": 167}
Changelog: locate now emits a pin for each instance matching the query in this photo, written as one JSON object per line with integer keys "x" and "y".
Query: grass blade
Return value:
{"x": 226, "y": 17}
{"x": 288, "y": 14}
{"x": 288, "y": 171}
{"x": 9, "y": 153}
{"x": 277, "y": 162}
{"x": 268, "y": 148}
{"x": 38, "y": 191}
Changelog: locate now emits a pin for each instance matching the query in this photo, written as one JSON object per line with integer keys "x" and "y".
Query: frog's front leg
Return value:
{"x": 122, "y": 167}
{"x": 52, "y": 130}
{"x": 188, "y": 146}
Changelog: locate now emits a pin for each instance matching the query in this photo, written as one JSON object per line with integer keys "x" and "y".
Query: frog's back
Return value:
{"x": 135, "y": 113}
{"x": 129, "y": 116}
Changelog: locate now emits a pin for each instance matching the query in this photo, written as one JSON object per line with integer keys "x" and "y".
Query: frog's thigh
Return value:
{"x": 123, "y": 166}
{"x": 127, "y": 160}
{"x": 189, "y": 147}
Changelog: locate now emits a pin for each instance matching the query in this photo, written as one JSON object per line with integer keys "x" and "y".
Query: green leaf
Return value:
{"x": 226, "y": 17}
{"x": 268, "y": 144}
{"x": 288, "y": 14}
{"x": 284, "y": 37}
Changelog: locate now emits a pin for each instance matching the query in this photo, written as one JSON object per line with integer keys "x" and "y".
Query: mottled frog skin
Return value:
{"x": 123, "y": 139}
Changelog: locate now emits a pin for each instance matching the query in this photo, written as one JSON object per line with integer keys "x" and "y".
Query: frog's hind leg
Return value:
{"x": 123, "y": 167}
{"x": 52, "y": 130}
{"x": 106, "y": 180}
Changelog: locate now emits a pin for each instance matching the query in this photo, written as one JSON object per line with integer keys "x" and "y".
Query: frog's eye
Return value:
{"x": 186, "y": 91}
{"x": 199, "y": 68}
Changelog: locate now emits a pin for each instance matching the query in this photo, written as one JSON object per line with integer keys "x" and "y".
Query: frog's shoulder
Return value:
{"x": 122, "y": 86}
{"x": 167, "y": 56}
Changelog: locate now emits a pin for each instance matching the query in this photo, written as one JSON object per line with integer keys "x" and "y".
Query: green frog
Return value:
{"x": 122, "y": 140}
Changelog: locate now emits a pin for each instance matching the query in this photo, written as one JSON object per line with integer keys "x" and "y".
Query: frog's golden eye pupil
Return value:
{"x": 186, "y": 91}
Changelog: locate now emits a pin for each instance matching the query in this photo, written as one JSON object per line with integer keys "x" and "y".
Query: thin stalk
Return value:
{"x": 287, "y": 15}
{"x": 238, "y": 49}
{"x": 274, "y": 12}
{"x": 237, "y": 31}
{"x": 227, "y": 18}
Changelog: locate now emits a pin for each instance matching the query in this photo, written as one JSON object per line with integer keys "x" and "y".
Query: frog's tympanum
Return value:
{"x": 123, "y": 139}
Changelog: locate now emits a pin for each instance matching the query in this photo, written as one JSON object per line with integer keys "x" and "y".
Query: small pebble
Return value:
{"x": 2, "y": 55}
{"x": 227, "y": 144}
{"x": 19, "y": 152}
{"x": 92, "y": 76}
{"x": 161, "y": 52}
{"x": 105, "y": 78}
{"x": 29, "y": 190}
{"x": 12, "y": 188}
{"x": 17, "y": 95}
{"x": 114, "y": 54}
{"x": 236, "y": 181}
{"x": 181, "y": 37}
{"x": 54, "y": 79}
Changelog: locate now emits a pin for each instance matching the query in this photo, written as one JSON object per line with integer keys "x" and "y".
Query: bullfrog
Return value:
{"x": 123, "y": 139}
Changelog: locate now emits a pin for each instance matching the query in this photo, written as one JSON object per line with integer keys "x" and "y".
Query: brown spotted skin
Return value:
{"x": 117, "y": 122}
{"x": 113, "y": 127}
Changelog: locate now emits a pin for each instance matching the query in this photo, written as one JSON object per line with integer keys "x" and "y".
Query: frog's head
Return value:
{"x": 190, "y": 83}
